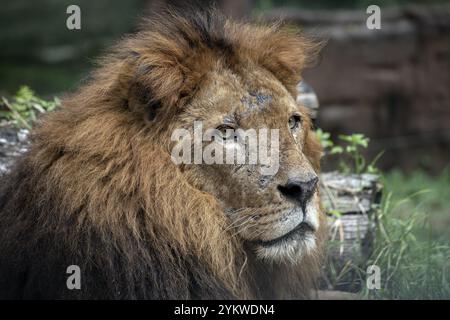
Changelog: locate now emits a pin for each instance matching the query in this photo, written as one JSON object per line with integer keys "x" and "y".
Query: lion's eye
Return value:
{"x": 226, "y": 132}
{"x": 294, "y": 122}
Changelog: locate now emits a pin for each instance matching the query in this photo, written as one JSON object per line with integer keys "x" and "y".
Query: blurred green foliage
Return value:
{"x": 349, "y": 149}
{"x": 412, "y": 246}
{"x": 25, "y": 106}
{"x": 428, "y": 194}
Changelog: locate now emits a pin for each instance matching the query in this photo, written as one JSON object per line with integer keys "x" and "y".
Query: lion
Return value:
{"x": 98, "y": 188}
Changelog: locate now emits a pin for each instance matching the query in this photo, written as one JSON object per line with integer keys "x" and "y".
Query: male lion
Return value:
{"x": 98, "y": 188}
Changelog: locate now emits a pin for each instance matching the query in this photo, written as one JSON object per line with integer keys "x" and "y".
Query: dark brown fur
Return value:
{"x": 98, "y": 189}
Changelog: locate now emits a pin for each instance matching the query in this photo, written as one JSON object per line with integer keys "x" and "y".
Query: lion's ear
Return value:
{"x": 141, "y": 100}
{"x": 151, "y": 83}
{"x": 287, "y": 57}
{"x": 281, "y": 51}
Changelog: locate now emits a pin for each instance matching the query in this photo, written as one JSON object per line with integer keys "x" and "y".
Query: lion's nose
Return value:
{"x": 299, "y": 190}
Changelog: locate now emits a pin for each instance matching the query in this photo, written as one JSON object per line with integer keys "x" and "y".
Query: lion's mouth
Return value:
{"x": 299, "y": 232}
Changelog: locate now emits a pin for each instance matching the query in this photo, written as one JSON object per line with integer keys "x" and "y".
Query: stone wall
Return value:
{"x": 391, "y": 84}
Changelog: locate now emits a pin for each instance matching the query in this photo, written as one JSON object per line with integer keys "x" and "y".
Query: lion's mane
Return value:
{"x": 98, "y": 189}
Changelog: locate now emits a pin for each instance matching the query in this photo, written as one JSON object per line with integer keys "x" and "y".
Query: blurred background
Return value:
{"x": 392, "y": 84}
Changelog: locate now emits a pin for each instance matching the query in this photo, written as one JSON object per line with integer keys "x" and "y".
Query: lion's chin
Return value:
{"x": 292, "y": 246}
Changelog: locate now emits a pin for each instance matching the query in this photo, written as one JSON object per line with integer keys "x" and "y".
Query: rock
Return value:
{"x": 13, "y": 142}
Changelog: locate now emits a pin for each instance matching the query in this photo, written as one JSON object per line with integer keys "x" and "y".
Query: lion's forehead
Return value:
{"x": 236, "y": 97}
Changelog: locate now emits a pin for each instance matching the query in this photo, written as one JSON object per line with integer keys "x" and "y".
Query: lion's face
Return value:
{"x": 274, "y": 206}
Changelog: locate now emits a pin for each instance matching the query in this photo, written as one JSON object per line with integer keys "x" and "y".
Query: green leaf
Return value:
{"x": 337, "y": 150}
